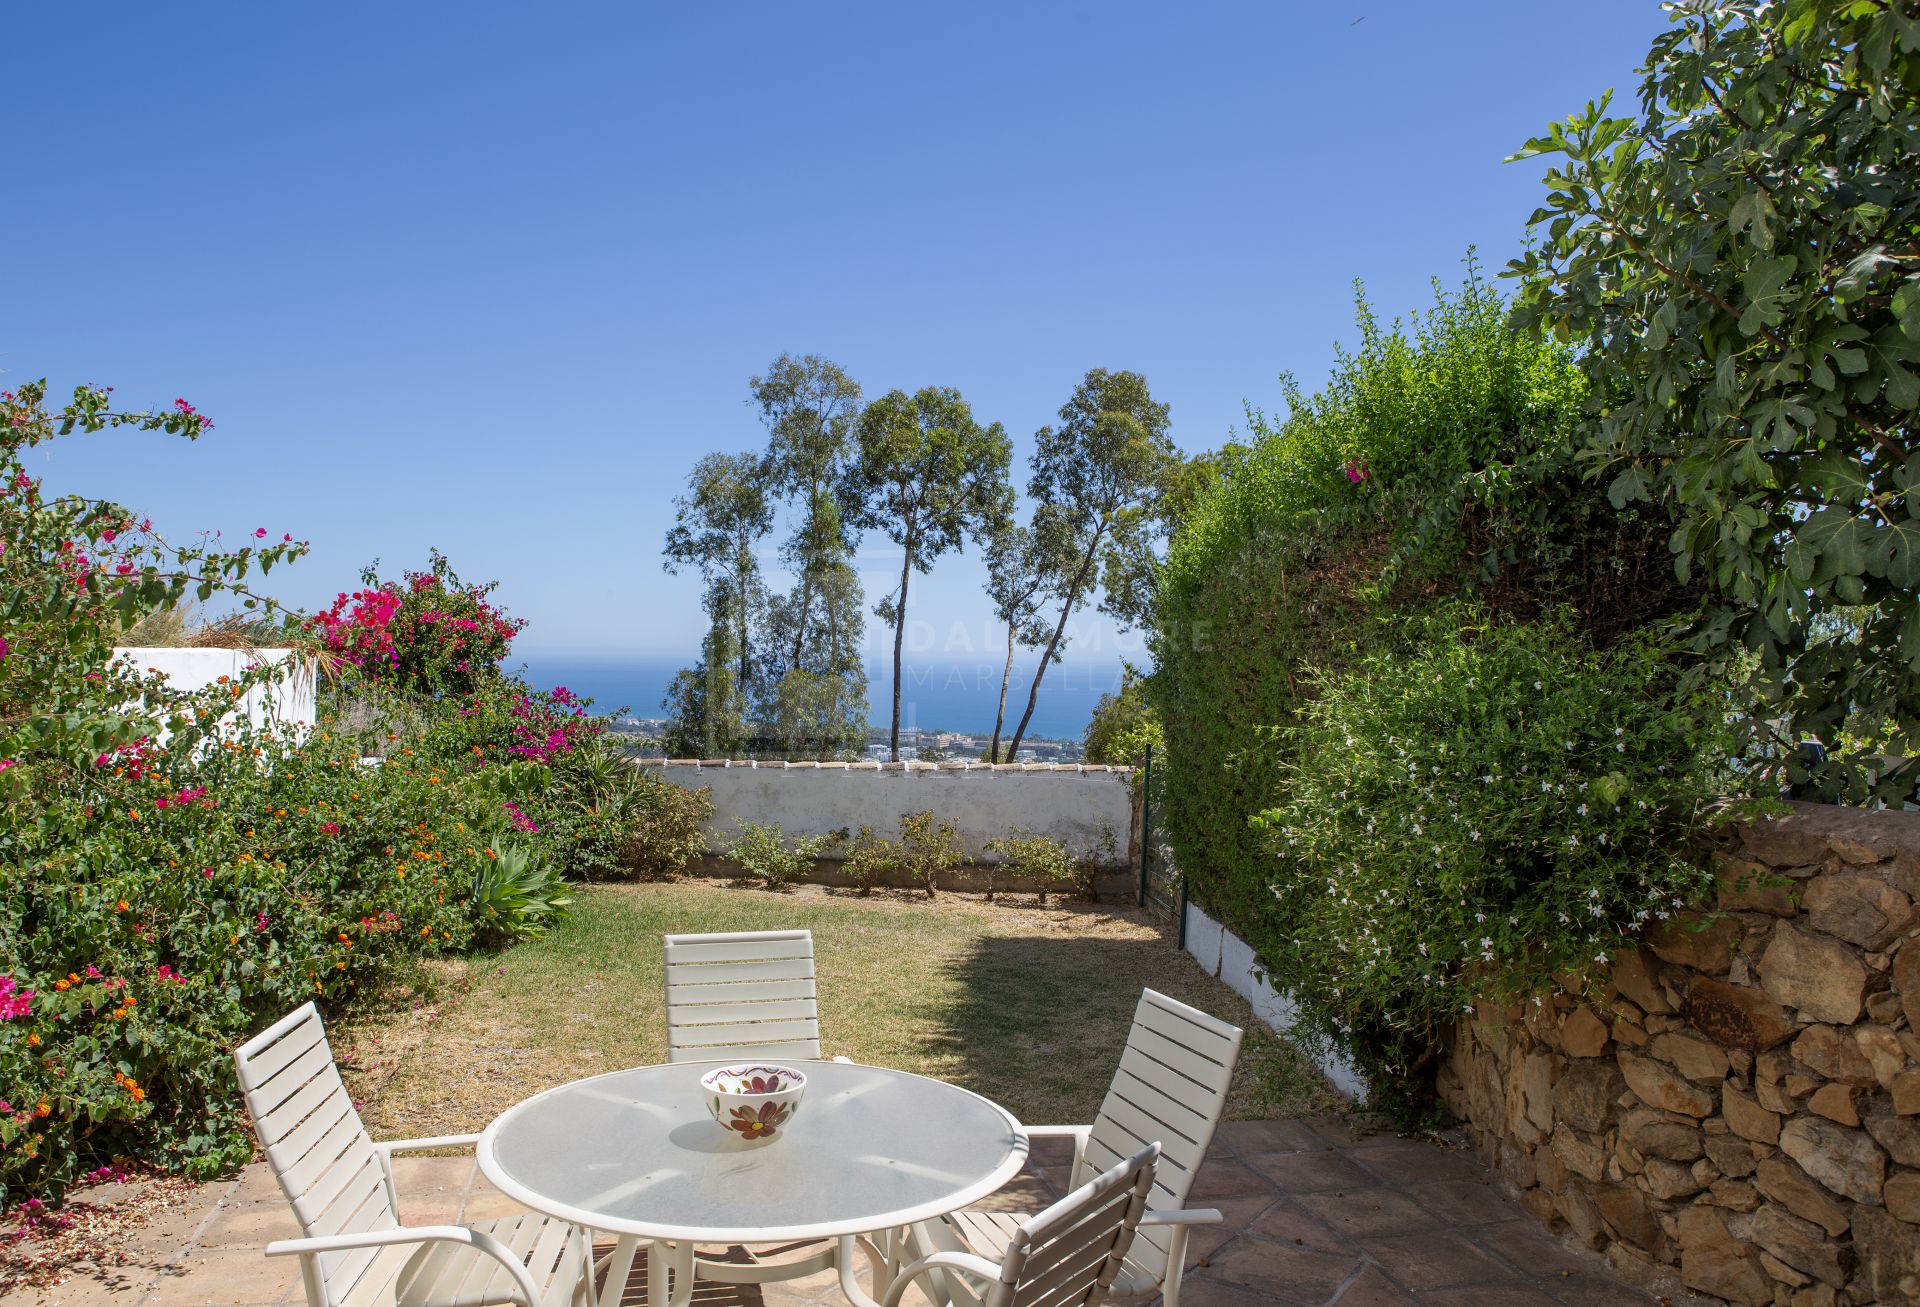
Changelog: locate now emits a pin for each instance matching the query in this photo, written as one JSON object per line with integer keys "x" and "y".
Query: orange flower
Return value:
{"x": 33, "y": 1041}
{"x": 139, "y": 1094}
{"x": 44, "y": 1109}
{"x": 122, "y": 905}
{"x": 426, "y": 930}
{"x": 62, "y": 985}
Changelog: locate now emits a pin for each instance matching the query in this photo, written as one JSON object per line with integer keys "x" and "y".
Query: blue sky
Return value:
{"x": 492, "y": 277}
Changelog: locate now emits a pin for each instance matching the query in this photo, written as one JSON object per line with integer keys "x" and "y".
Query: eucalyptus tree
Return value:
{"x": 929, "y": 476}
{"x": 1096, "y": 476}
{"x": 1740, "y": 264}
{"x": 1023, "y": 562}
{"x": 810, "y": 406}
{"x": 717, "y": 528}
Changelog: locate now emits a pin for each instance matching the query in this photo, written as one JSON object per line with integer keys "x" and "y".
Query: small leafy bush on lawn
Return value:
{"x": 1039, "y": 858}
{"x": 871, "y": 858}
{"x": 931, "y": 848}
{"x": 1473, "y": 814}
{"x": 763, "y": 849}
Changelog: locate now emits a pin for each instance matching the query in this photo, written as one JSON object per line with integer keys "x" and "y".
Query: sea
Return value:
{"x": 945, "y": 695}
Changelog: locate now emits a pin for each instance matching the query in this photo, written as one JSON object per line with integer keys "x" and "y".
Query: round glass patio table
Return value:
{"x": 637, "y": 1154}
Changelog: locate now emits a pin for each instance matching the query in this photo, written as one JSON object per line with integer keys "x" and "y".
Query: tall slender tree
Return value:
{"x": 929, "y": 476}
{"x": 1023, "y": 562}
{"x": 717, "y": 528}
{"x": 810, "y": 406}
{"x": 814, "y": 687}
{"x": 1098, "y": 473}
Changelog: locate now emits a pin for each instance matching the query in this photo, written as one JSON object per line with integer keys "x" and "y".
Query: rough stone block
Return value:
{"x": 1815, "y": 973}
{"x": 1660, "y": 1086}
{"x": 1845, "y": 1161}
{"x": 1736, "y": 1015}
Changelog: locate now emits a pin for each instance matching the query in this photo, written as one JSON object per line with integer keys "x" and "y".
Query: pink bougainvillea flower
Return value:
{"x": 329, "y": 828}
{"x": 14, "y": 1001}
{"x": 259, "y": 533}
{"x": 1356, "y": 470}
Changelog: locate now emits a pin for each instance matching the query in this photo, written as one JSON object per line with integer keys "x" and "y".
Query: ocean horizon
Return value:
{"x": 953, "y": 694}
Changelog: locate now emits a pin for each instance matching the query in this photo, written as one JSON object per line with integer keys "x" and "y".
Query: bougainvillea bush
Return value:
{"x": 425, "y": 633}
{"x": 172, "y": 879}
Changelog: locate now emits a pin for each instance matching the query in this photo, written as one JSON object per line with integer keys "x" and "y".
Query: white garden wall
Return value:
{"x": 1228, "y": 958}
{"x": 288, "y": 698}
{"x": 1082, "y": 807}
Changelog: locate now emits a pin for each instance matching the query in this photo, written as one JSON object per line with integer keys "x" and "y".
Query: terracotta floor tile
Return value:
{"x": 1466, "y": 1202}
{"x": 1219, "y": 1178}
{"x": 1434, "y": 1260}
{"x": 1371, "y": 1212}
{"x": 1267, "y": 1136}
{"x": 250, "y": 1226}
{"x": 1505, "y": 1295}
{"x": 1371, "y": 1288}
{"x": 1288, "y": 1222}
{"x": 1289, "y": 1273}
{"x": 1415, "y": 1161}
{"x": 1527, "y": 1246}
{"x": 1311, "y": 1171}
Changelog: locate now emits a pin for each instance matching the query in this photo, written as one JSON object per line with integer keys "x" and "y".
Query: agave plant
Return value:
{"x": 517, "y": 895}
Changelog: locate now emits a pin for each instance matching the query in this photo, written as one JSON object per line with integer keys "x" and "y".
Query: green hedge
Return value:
{"x": 1435, "y": 466}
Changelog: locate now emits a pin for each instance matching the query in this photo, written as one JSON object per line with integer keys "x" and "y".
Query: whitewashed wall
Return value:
{"x": 288, "y": 698}
{"x": 1228, "y": 958}
{"x": 1079, "y": 806}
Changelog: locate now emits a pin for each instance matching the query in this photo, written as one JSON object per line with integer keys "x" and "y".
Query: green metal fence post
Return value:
{"x": 1183, "y": 913}
{"x": 1146, "y": 820}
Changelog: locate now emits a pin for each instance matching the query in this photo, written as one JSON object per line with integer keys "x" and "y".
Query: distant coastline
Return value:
{"x": 952, "y": 694}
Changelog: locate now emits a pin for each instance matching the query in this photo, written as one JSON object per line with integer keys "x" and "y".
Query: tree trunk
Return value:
{"x": 1059, "y": 629}
{"x": 1000, "y": 717}
{"x": 899, "y": 634}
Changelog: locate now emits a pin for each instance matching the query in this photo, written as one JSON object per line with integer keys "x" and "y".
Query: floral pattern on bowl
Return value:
{"x": 753, "y": 1102}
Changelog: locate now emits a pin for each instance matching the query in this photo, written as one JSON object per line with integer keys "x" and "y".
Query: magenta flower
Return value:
{"x": 14, "y": 1001}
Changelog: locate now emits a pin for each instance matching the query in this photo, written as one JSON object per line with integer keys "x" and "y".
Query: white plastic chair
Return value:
{"x": 741, "y": 996}
{"x": 1071, "y": 1255}
{"x": 1170, "y": 1089}
{"x": 355, "y": 1252}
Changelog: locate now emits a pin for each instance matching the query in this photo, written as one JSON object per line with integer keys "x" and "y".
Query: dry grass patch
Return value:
{"x": 1026, "y": 1005}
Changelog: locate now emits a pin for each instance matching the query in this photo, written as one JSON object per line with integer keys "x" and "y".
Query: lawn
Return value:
{"x": 1024, "y": 1004}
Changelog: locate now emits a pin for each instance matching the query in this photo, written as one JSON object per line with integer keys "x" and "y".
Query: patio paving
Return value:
{"x": 1314, "y": 1217}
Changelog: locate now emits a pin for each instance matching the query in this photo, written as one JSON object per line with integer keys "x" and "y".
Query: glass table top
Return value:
{"x": 637, "y": 1152}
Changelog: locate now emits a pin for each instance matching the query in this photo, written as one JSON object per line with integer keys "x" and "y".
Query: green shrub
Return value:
{"x": 763, "y": 849}
{"x": 1437, "y": 465}
{"x": 667, "y": 826}
{"x": 870, "y": 859}
{"x": 1470, "y": 810}
{"x": 930, "y": 849}
{"x": 1123, "y": 727}
{"x": 1038, "y": 858}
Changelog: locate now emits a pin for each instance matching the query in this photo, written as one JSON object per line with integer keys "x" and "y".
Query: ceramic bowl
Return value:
{"x": 751, "y": 1101}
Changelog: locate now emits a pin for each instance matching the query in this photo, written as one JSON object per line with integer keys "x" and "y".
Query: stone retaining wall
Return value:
{"x": 1740, "y": 1099}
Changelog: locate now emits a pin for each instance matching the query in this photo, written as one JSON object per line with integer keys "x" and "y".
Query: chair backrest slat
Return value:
{"x": 1170, "y": 1089}
{"x": 315, "y": 1142}
{"x": 747, "y": 994}
{"x": 1070, "y": 1254}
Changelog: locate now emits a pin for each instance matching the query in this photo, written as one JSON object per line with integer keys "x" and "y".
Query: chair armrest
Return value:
{"x": 1188, "y": 1216}
{"x": 478, "y": 1240}
{"x": 422, "y": 1145}
{"x": 1077, "y": 1133}
{"x": 965, "y": 1263}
